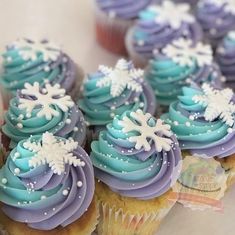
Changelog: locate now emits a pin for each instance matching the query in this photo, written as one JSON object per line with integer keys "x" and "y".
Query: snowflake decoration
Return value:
{"x": 54, "y": 152}
{"x": 184, "y": 53}
{"x": 231, "y": 35}
{"x": 229, "y": 5}
{"x": 46, "y": 98}
{"x": 173, "y": 14}
{"x": 28, "y": 50}
{"x": 121, "y": 77}
{"x": 155, "y": 132}
{"x": 218, "y": 104}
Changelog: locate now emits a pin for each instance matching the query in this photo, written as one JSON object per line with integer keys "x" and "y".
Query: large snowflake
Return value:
{"x": 29, "y": 50}
{"x": 54, "y": 152}
{"x": 184, "y": 53}
{"x": 120, "y": 78}
{"x": 45, "y": 98}
{"x": 229, "y": 5}
{"x": 157, "y": 132}
{"x": 218, "y": 104}
{"x": 172, "y": 13}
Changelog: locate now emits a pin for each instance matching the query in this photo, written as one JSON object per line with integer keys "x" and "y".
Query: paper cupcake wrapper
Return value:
{"x": 3, "y": 231}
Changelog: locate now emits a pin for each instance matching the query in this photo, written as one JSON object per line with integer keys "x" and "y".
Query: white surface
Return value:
{"x": 70, "y": 23}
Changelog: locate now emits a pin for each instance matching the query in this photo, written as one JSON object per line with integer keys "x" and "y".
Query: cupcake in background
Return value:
{"x": 178, "y": 64}
{"x": 137, "y": 160}
{"x": 217, "y": 18}
{"x": 113, "y": 18}
{"x": 36, "y": 110}
{"x": 158, "y": 26}
{"x": 47, "y": 186}
{"x": 38, "y": 61}
{"x": 112, "y": 91}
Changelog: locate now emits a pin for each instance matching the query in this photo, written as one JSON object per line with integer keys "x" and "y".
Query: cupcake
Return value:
{"x": 36, "y": 110}
{"x": 136, "y": 160}
{"x": 217, "y": 18}
{"x": 179, "y": 64}
{"x": 158, "y": 26}
{"x": 47, "y": 186}
{"x": 203, "y": 120}
{"x": 30, "y": 61}
{"x": 113, "y": 18}
{"x": 112, "y": 91}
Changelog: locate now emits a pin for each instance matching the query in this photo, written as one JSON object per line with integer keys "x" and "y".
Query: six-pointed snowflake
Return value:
{"x": 172, "y": 13}
{"x": 218, "y": 104}
{"x": 29, "y": 50}
{"x": 45, "y": 98}
{"x": 157, "y": 132}
{"x": 121, "y": 77}
{"x": 184, "y": 53}
{"x": 54, "y": 152}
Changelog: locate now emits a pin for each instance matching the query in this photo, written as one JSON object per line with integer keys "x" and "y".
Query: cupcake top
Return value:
{"x": 203, "y": 120}
{"x": 30, "y": 61}
{"x": 36, "y": 110}
{"x": 217, "y": 18}
{"x": 46, "y": 182}
{"x": 137, "y": 156}
{"x": 125, "y": 9}
{"x": 112, "y": 91}
{"x": 159, "y": 25}
{"x": 178, "y": 64}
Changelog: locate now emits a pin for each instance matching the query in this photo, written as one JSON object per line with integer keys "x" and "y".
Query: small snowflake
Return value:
{"x": 184, "y": 53}
{"x": 173, "y": 14}
{"x": 54, "y": 152}
{"x": 218, "y": 104}
{"x": 46, "y": 98}
{"x": 28, "y": 50}
{"x": 146, "y": 131}
{"x": 121, "y": 77}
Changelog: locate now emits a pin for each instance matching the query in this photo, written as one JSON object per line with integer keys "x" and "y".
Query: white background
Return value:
{"x": 70, "y": 24}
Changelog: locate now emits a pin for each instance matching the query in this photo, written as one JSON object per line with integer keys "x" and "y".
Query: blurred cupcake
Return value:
{"x": 112, "y": 91}
{"x": 113, "y": 18}
{"x": 137, "y": 159}
{"x": 217, "y": 18}
{"x": 158, "y": 26}
{"x": 47, "y": 186}
{"x": 30, "y": 61}
{"x": 179, "y": 64}
{"x": 203, "y": 120}
{"x": 36, "y": 110}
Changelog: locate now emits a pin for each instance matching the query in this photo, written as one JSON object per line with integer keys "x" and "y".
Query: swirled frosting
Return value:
{"x": 25, "y": 118}
{"x": 125, "y": 9}
{"x": 179, "y": 64}
{"x": 112, "y": 91}
{"x": 159, "y": 25}
{"x": 46, "y": 182}
{"x": 29, "y": 61}
{"x": 203, "y": 121}
{"x": 137, "y": 156}
{"x": 217, "y": 18}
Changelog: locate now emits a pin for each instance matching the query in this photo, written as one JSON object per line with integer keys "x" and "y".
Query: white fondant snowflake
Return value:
{"x": 218, "y": 104}
{"x": 120, "y": 78}
{"x": 46, "y": 98}
{"x": 54, "y": 152}
{"x": 229, "y": 5}
{"x": 155, "y": 132}
{"x": 184, "y": 53}
{"x": 28, "y": 50}
{"x": 172, "y": 13}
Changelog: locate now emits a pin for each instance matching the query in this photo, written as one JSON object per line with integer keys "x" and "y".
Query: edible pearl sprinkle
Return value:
{"x": 17, "y": 154}
{"x": 4, "y": 180}
{"x": 187, "y": 124}
{"x": 65, "y": 192}
{"x": 43, "y": 197}
{"x": 20, "y": 125}
{"x": 79, "y": 184}
{"x": 17, "y": 171}
{"x": 68, "y": 121}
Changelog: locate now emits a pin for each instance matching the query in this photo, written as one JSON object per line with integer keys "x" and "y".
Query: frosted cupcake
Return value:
{"x": 113, "y": 18}
{"x": 38, "y": 61}
{"x": 158, "y": 26}
{"x": 217, "y": 18}
{"x": 136, "y": 159}
{"x": 179, "y": 64}
{"x": 203, "y": 120}
{"x": 47, "y": 186}
{"x": 36, "y": 110}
